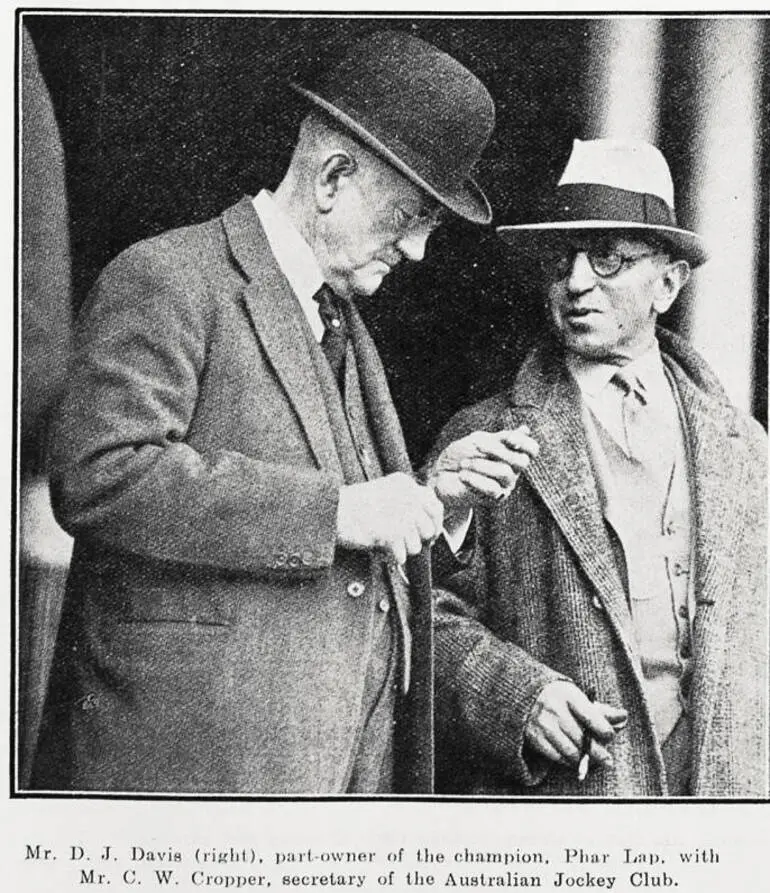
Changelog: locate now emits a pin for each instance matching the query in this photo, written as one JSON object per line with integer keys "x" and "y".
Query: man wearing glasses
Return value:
{"x": 230, "y": 463}
{"x": 609, "y": 635}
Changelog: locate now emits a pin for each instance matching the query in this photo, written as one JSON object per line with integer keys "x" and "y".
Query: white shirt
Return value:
{"x": 294, "y": 256}
{"x": 605, "y": 400}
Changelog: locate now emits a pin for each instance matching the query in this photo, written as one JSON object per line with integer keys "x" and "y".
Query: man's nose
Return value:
{"x": 412, "y": 245}
{"x": 581, "y": 275}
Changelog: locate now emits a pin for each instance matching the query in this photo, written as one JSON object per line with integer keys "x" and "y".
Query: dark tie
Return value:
{"x": 335, "y": 339}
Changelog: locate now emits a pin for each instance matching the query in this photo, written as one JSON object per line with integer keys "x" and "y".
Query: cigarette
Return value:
{"x": 585, "y": 747}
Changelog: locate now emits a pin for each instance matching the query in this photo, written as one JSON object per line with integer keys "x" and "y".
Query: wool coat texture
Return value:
{"x": 214, "y": 639}
{"x": 543, "y": 598}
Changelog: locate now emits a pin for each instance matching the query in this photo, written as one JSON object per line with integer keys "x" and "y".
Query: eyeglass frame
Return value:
{"x": 405, "y": 224}
{"x": 560, "y": 266}
{"x": 423, "y": 222}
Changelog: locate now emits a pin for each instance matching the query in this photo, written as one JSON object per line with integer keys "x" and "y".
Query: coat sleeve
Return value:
{"x": 121, "y": 470}
{"x": 486, "y": 686}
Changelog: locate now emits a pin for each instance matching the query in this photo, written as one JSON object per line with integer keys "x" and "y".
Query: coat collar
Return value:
{"x": 279, "y": 324}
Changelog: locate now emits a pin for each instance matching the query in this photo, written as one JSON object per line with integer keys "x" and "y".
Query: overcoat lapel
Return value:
{"x": 382, "y": 414}
{"x": 278, "y": 323}
{"x": 546, "y": 398}
{"x": 720, "y": 477}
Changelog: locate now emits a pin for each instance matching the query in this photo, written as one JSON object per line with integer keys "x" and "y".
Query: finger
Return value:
{"x": 427, "y": 527}
{"x": 616, "y": 716}
{"x": 496, "y": 470}
{"x": 398, "y": 550}
{"x": 482, "y": 485}
{"x": 429, "y": 514}
{"x": 562, "y": 744}
{"x": 413, "y": 541}
{"x": 572, "y": 729}
{"x": 599, "y": 754}
{"x": 520, "y": 440}
{"x": 590, "y": 715}
{"x": 542, "y": 746}
{"x": 494, "y": 446}
{"x": 467, "y": 447}
{"x": 548, "y": 750}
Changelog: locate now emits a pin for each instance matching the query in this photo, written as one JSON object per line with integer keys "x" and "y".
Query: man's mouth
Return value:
{"x": 580, "y": 312}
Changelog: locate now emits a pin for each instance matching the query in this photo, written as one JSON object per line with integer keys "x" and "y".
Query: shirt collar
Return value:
{"x": 592, "y": 378}
{"x": 293, "y": 255}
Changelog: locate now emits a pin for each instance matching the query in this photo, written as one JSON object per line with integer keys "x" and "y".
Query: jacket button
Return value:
{"x": 356, "y": 589}
{"x": 384, "y": 605}
{"x": 89, "y": 702}
{"x": 683, "y": 612}
{"x": 597, "y": 603}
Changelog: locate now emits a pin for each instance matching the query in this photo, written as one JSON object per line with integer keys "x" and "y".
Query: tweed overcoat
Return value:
{"x": 213, "y": 639}
{"x": 544, "y": 599}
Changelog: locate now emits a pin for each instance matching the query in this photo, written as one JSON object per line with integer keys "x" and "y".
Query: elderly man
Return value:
{"x": 609, "y": 636}
{"x": 231, "y": 466}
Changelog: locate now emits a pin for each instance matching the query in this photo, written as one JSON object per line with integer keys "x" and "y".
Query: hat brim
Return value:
{"x": 689, "y": 245}
{"x": 467, "y": 200}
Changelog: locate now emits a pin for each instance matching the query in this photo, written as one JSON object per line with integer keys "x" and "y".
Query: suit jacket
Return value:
{"x": 544, "y": 598}
{"x": 213, "y": 639}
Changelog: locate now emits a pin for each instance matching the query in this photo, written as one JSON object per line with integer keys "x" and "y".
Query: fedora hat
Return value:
{"x": 615, "y": 184}
{"x": 417, "y": 108}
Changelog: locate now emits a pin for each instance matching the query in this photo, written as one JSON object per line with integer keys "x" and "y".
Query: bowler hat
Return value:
{"x": 418, "y": 109}
{"x": 615, "y": 184}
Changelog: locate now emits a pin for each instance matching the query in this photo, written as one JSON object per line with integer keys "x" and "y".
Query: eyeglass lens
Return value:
{"x": 603, "y": 259}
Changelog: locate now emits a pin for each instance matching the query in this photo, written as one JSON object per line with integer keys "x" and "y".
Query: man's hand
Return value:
{"x": 480, "y": 468}
{"x": 558, "y": 718}
{"x": 393, "y": 513}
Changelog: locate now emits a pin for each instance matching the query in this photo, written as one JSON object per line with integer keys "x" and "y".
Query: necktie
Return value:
{"x": 635, "y": 423}
{"x": 335, "y": 339}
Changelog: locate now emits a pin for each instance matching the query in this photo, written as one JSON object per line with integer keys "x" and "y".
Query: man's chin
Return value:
{"x": 583, "y": 345}
{"x": 366, "y": 286}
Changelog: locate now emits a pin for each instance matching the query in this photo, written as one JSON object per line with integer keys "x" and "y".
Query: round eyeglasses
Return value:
{"x": 604, "y": 260}
{"x": 422, "y": 222}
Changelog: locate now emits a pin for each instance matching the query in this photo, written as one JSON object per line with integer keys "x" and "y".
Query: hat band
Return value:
{"x": 595, "y": 201}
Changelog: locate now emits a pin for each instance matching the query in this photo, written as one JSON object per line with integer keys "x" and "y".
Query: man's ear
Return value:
{"x": 672, "y": 280}
{"x": 335, "y": 172}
